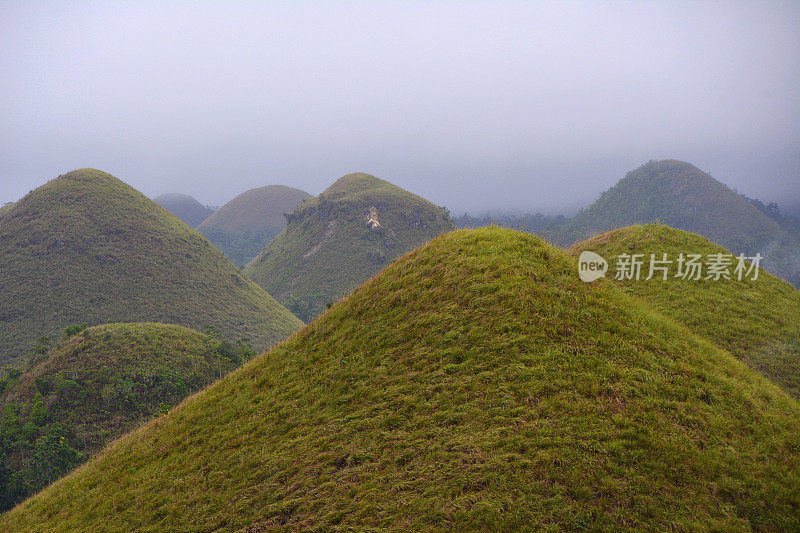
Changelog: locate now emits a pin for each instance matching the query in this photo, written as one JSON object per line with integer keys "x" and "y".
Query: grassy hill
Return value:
{"x": 86, "y": 247}
{"x": 684, "y": 197}
{"x": 756, "y": 321}
{"x": 341, "y": 238}
{"x": 93, "y": 386}
{"x": 184, "y": 207}
{"x": 475, "y": 384}
{"x": 242, "y": 227}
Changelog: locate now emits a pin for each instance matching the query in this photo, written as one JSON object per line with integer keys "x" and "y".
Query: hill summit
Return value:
{"x": 85, "y": 247}
{"x": 341, "y": 238}
{"x": 682, "y": 196}
{"x": 756, "y": 320}
{"x": 184, "y": 207}
{"x": 242, "y": 227}
{"x": 475, "y": 384}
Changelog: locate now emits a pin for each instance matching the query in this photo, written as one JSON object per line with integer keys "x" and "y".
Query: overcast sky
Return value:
{"x": 524, "y": 106}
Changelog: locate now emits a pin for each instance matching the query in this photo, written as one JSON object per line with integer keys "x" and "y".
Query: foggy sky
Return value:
{"x": 476, "y": 106}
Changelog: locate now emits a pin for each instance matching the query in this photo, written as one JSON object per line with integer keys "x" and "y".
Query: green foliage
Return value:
{"x": 69, "y": 331}
{"x": 330, "y": 244}
{"x": 756, "y": 321}
{"x": 95, "y": 249}
{"x": 242, "y": 227}
{"x": 475, "y": 384}
{"x": 90, "y": 389}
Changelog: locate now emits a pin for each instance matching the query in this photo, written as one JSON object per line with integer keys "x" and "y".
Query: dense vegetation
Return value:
{"x": 684, "y": 197}
{"x": 342, "y": 238}
{"x": 475, "y": 384}
{"x": 87, "y": 247}
{"x": 185, "y": 208}
{"x": 94, "y": 385}
{"x": 757, "y": 321}
{"x": 242, "y": 227}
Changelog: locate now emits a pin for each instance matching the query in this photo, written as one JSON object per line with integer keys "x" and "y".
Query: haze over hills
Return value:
{"x": 184, "y": 207}
{"x": 475, "y": 383}
{"x": 242, "y": 227}
{"x": 90, "y": 388}
{"x": 85, "y": 247}
{"x": 757, "y": 321}
{"x": 684, "y": 197}
{"x": 339, "y": 239}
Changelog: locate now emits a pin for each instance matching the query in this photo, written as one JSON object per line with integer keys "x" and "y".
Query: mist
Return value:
{"x": 535, "y": 106}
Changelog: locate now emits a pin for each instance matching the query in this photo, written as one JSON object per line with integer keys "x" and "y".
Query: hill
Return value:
{"x": 242, "y": 227}
{"x": 93, "y": 386}
{"x": 758, "y": 321}
{"x": 475, "y": 384}
{"x": 184, "y": 207}
{"x": 341, "y": 238}
{"x": 85, "y": 247}
{"x": 684, "y": 197}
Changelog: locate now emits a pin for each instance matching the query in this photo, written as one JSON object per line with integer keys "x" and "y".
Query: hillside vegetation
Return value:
{"x": 93, "y": 386}
{"x": 184, "y": 207}
{"x": 757, "y": 321}
{"x": 85, "y": 247}
{"x": 242, "y": 227}
{"x": 341, "y": 238}
{"x": 475, "y": 384}
{"x": 684, "y": 197}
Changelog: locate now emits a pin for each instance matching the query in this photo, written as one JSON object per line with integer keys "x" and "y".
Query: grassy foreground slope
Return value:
{"x": 184, "y": 207}
{"x": 757, "y": 321}
{"x": 242, "y": 227}
{"x": 475, "y": 383}
{"x": 682, "y": 196}
{"x": 338, "y": 240}
{"x": 93, "y": 386}
{"x": 85, "y": 247}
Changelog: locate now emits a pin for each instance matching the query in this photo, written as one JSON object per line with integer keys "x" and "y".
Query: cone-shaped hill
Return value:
{"x": 341, "y": 238}
{"x": 184, "y": 207}
{"x": 85, "y": 247}
{"x": 93, "y": 386}
{"x": 758, "y": 320}
{"x": 682, "y": 196}
{"x": 475, "y": 384}
{"x": 242, "y": 227}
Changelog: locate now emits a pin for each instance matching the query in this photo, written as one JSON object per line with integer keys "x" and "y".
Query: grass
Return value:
{"x": 184, "y": 207}
{"x": 328, "y": 246}
{"x": 756, "y": 321}
{"x": 474, "y": 384}
{"x": 92, "y": 387}
{"x": 242, "y": 227}
{"x": 86, "y": 247}
{"x": 682, "y": 196}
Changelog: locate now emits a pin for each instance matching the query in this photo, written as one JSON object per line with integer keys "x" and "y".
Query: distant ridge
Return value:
{"x": 341, "y": 238}
{"x": 184, "y": 207}
{"x": 86, "y": 247}
{"x": 684, "y": 197}
{"x": 242, "y": 227}
{"x": 475, "y": 384}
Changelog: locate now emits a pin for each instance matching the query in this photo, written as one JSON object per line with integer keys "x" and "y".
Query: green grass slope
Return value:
{"x": 184, "y": 207}
{"x": 475, "y": 384}
{"x": 93, "y": 386}
{"x": 341, "y": 238}
{"x": 242, "y": 227}
{"x": 684, "y": 197}
{"x": 757, "y": 321}
{"x": 85, "y": 247}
